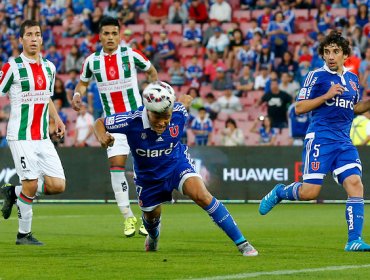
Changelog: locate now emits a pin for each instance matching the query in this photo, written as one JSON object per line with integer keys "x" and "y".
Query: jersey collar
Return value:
{"x": 145, "y": 119}
{"x": 115, "y": 52}
{"x": 345, "y": 70}
{"x": 29, "y": 60}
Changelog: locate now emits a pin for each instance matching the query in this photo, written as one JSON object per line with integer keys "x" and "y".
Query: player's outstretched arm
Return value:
{"x": 80, "y": 91}
{"x": 104, "y": 137}
{"x": 362, "y": 107}
{"x": 152, "y": 74}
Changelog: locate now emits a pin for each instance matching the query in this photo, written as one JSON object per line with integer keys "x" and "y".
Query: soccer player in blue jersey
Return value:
{"x": 162, "y": 163}
{"x": 331, "y": 94}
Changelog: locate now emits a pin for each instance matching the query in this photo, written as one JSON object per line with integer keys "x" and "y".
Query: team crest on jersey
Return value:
{"x": 174, "y": 131}
{"x": 353, "y": 85}
{"x": 112, "y": 72}
{"x": 126, "y": 66}
{"x": 20, "y": 65}
{"x": 315, "y": 165}
{"x": 39, "y": 81}
{"x": 143, "y": 136}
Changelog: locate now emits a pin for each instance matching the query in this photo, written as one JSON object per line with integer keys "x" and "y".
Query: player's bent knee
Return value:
{"x": 309, "y": 192}
{"x": 56, "y": 186}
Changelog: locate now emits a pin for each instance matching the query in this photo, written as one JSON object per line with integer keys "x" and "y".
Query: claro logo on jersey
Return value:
{"x": 339, "y": 102}
{"x": 154, "y": 153}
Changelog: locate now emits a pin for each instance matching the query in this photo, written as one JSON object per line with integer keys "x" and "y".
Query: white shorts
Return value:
{"x": 120, "y": 146}
{"x": 36, "y": 158}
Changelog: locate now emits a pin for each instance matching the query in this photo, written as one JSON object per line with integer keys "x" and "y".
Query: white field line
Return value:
{"x": 282, "y": 272}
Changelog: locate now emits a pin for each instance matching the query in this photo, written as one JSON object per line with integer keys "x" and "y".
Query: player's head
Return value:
{"x": 159, "y": 99}
{"x": 334, "y": 49}
{"x": 30, "y": 37}
{"x": 109, "y": 33}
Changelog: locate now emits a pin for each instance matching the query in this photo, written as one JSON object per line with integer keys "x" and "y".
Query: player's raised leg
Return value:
{"x": 152, "y": 223}
{"x": 194, "y": 188}
{"x": 8, "y": 194}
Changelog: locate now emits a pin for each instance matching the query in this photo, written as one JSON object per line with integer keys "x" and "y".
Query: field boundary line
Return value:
{"x": 281, "y": 272}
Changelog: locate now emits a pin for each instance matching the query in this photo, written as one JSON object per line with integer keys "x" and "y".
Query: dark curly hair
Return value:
{"x": 336, "y": 38}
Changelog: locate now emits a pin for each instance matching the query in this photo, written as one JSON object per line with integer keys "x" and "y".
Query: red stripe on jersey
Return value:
{"x": 141, "y": 54}
{"x": 36, "y": 121}
{"x": 38, "y": 76}
{"x": 118, "y": 103}
{"x": 5, "y": 69}
{"x": 111, "y": 67}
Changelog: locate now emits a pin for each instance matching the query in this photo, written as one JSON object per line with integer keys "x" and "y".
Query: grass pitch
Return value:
{"x": 86, "y": 242}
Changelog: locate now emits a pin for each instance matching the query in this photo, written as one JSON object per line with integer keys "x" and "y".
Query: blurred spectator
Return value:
{"x": 236, "y": 43}
{"x": 197, "y": 101}
{"x": 177, "y": 73}
{"x": 194, "y": 71}
{"x": 74, "y": 59}
{"x": 13, "y": 9}
{"x": 5, "y": 113}
{"x": 94, "y": 20}
{"x": 362, "y": 17}
{"x": 289, "y": 16}
{"x": 218, "y": 43}
{"x": 222, "y": 81}
{"x": 211, "y": 106}
{"x": 264, "y": 19}
{"x": 32, "y": 10}
{"x": 16, "y": 25}
{"x": 127, "y": 38}
{"x": 80, "y": 5}
{"x": 158, "y": 12}
{"x": 260, "y": 4}
{"x": 47, "y": 36}
{"x": 304, "y": 4}
{"x": 113, "y": 9}
{"x": 302, "y": 53}
{"x": 323, "y": 19}
{"x": 94, "y": 102}
{"x": 278, "y": 32}
{"x": 365, "y": 66}
{"x": 247, "y": 4}
{"x": 229, "y": 103}
{"x": 288, "y": 65}
{"x": 141, "y": 6}
{"x": 71, "y": 84}
{"x": 84, "y": 130}
{"x": 277, "y": 105}
{"x": 297, "y": 125}
{"x": 127, "y": 14}
{"x": 288, "y": 84}
{"x": 192, "y": 35}
{"x": 210, "y": 31}
{"x": 352, "y": 24}
{"x": 198, "y": 11}
{"x": 232, "y": 135}
{"x": 55, "y": 57}
{"x": 245, "y": 82}
{"x": 72, "y": 25}
{"x": 87, "y": 46}
{"x": 246, "y": 56}
{"x": 165, "y": 50}
{"x": 60, "y": 93}
{"x": 266, "y": 58}
{"x": 273, "y": 75}
{"x": 202, "y": 128}
{"x": 147, "y": 41}
{"x": 177, "y": 12}
{"x": 360, "y": 130}
{"x": 220, "y": 10}
{"x": 261, "y": 78}
{"x": 253, "y": 29}
{"x": 266, "y": 132}
{"x": 359, "y": 39}
{"x": 50, "y": 13}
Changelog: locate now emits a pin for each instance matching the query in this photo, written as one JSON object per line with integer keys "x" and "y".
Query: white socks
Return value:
{"x": 120, "y": 188}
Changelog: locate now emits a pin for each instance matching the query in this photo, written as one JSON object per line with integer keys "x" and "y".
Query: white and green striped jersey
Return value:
{"x": 29, "y": 86}
{"x": 116, "y": 78}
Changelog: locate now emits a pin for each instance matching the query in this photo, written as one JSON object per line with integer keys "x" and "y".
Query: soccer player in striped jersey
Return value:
{"x": 331, "y": 94}
{"x": 114, "y": 69}
{"x": 29, "y": 82}
{"x": 162, "y": 164}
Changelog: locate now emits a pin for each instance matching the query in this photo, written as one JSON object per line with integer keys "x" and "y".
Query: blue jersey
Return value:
{"x": 332, "y": 120}
{"x": 155, "y": 155}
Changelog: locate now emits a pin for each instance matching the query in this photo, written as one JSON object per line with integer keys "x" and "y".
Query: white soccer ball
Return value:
{"x": 159, "y": 97}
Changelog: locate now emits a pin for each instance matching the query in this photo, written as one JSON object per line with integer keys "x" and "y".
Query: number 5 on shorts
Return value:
{"x": 23, "y": 163}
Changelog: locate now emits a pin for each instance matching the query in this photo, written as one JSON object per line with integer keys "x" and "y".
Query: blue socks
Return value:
{"x": 354, "y": 217}
{"x": 290, "y": 192}
{"x": 153, "y": 227}
{"x": 219, "y": 214}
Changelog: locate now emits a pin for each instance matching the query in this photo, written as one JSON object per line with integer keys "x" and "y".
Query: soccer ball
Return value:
{"x": 159, "y": 97}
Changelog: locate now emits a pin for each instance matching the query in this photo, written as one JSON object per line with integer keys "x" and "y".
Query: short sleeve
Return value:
{"x": 117, "y": 123}
{"x": 6, "y": 78}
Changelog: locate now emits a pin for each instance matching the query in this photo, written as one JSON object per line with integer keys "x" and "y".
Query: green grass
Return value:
{"x": 86, "y": 242}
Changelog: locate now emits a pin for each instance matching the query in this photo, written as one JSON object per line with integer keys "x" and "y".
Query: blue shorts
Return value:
{"x": 150, "y": 194}
{"x": 319, "y": 158}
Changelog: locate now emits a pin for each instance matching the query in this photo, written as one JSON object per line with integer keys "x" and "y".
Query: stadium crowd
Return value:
{"x": 241, "y": 60}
